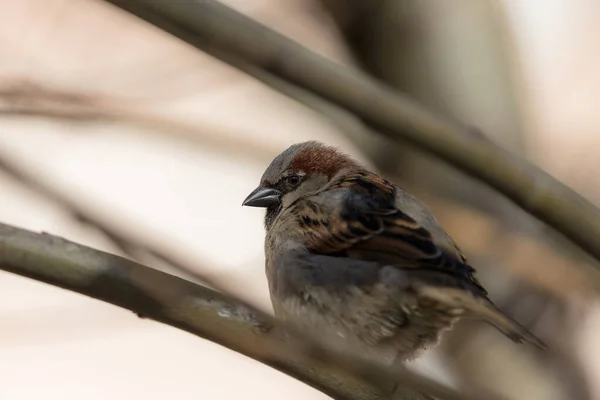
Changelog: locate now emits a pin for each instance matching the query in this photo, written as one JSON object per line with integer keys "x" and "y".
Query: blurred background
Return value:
{"x": 163, "y": 142}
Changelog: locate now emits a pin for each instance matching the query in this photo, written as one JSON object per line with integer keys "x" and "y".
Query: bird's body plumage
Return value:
{"x": 361, "y": 264}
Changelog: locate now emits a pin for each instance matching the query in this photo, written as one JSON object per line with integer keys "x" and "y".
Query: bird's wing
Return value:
{"x": 367, "y": 223}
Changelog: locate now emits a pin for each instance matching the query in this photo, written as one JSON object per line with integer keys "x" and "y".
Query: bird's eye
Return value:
{"x": 293, "y": 180}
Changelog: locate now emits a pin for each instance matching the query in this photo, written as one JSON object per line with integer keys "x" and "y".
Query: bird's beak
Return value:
{"x": 262, "y": 197}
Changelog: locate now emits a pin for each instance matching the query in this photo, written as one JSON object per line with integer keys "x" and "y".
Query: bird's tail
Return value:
{"x": 511, "y": 328}
{"x": 481, "y": 307}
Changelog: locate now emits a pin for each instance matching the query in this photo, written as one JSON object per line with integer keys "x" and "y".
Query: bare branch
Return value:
{"x": 174, "y": 301}
{"x": 215, "y": 28}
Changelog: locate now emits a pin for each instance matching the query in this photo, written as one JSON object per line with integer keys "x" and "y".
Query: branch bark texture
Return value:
{"x": 218, "y": 30}
{"x": 182, "y": 304}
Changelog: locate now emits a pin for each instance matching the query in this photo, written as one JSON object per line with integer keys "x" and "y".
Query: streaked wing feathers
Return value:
{"x": 370, "y": 227}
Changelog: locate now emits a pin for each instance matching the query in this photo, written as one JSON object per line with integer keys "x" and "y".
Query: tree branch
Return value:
{"x": 218, "y": 30}
{"x": 211, "y": 315}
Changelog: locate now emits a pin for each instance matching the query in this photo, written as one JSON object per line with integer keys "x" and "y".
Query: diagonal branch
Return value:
{"x": 216, "y": 317}
{"x": 218, "y": 30}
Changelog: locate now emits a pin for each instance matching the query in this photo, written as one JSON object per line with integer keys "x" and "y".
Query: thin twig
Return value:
{"x": 217, "y": 29}
{"x": 25, "y": 98}
{"x": 128, "y": 244}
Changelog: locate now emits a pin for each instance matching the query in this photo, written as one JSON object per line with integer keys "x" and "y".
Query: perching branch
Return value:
{"x": 218, "y": 30}
{"x": 182, "y": 304}
{"x": 154, "y": 294}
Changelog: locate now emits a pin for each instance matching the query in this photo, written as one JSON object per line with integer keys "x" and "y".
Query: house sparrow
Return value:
{"x": 359, "y": 263}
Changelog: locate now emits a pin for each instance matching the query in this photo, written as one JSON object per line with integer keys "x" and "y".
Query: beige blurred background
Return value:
{"x": 191, "y": 136}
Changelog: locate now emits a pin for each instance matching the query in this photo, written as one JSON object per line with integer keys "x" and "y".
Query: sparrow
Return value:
{"x": 361, "y": 265}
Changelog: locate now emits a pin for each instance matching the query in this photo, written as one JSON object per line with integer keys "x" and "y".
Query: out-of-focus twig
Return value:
{"x": 20, "y": 97}
{"x": 210, "y": 25}
{"x": 174, "y": 301}
{"x": 128, "y": 244}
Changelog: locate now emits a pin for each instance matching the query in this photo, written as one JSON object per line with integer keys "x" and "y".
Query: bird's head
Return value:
{"x": 299, "y": 171}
